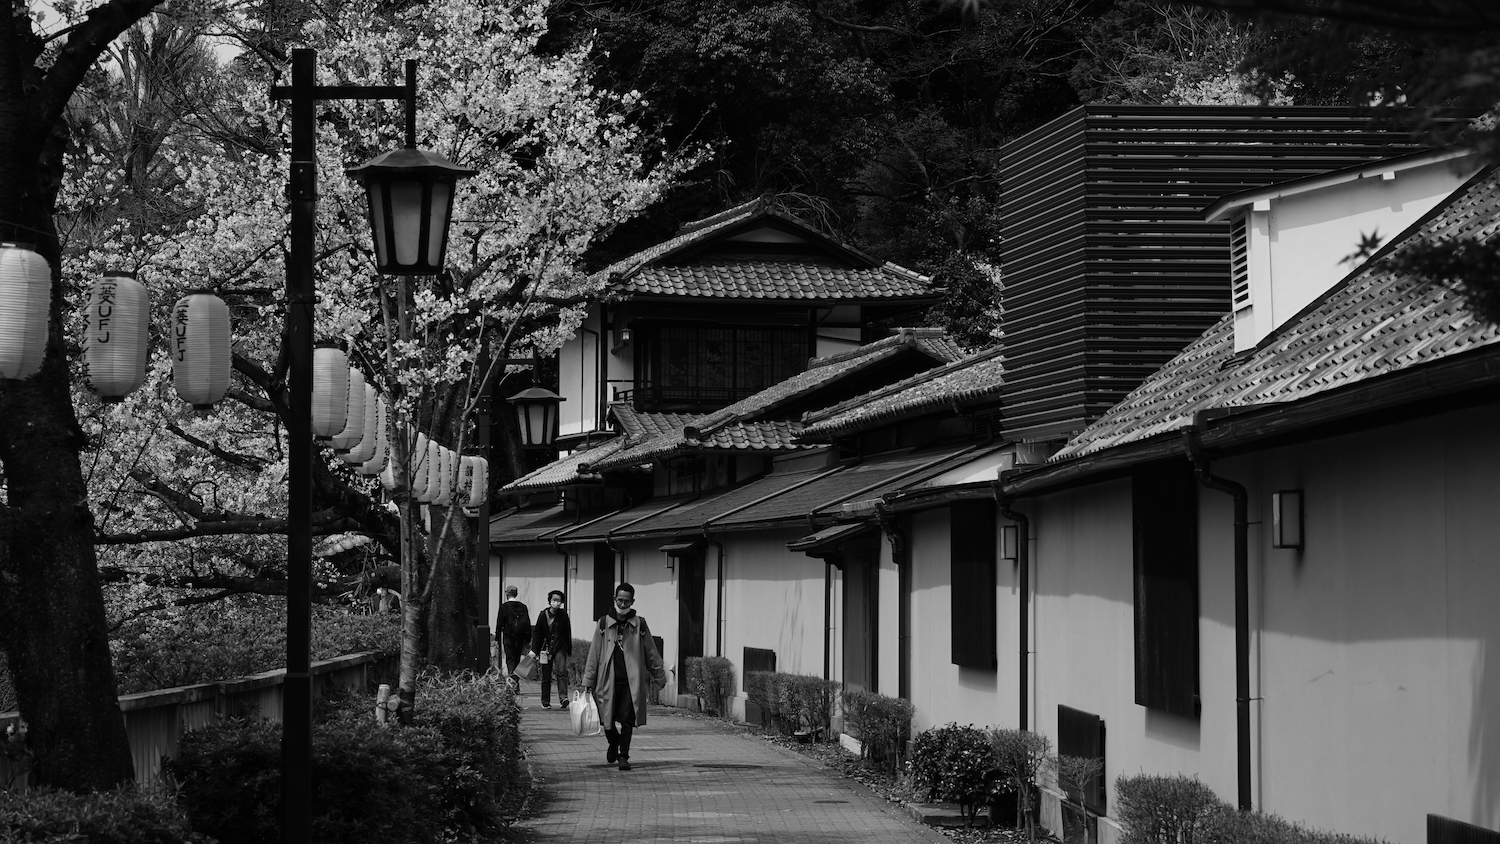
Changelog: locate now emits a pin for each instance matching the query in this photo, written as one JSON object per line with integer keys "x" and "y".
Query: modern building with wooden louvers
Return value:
{"x": 1109, "y": 268}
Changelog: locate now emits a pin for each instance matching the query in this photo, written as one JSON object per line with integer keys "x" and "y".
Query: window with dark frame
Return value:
{"x": 1164, "y": 505}
{"x": 708, "y": 365}
{"x": 972, "y": 555}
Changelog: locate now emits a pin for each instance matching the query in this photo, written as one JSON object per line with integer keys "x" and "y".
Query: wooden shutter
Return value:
{"x": 756, "y": 659}
{"x": 972, "y": 550}
{"x": 1081, "y": 733}
{"x": 1165, "y": 509}
{"x": 1441, "y": 830}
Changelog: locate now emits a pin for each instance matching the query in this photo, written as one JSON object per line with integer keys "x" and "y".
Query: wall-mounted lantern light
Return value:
{"x": 1286, "y": 519}
{"x": 623, "y": 336}
{"x": 536, "y": 412}
{"x": 1009, "y": 544}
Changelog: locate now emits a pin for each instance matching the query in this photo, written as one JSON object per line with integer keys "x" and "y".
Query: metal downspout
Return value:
{"x": 1023, "y": 566}
{"x": 1241, "y": 611}
{"x": 899, "y": 555}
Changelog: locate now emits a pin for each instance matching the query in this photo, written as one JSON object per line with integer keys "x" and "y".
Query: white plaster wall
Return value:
{"x": 533, "y": 570}
{"x": 1313, "y": 232}
{"x": 774, "y": 600}
{"x": 1379, "y": 666}
{"x": 941, "y": 691}
{"x": 888, "y": 622}
{"x": 1375, "y": 671}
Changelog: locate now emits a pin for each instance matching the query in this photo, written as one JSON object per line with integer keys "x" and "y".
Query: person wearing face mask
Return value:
{"x": 621, "y": 656}
{"x": 552, "y": 642}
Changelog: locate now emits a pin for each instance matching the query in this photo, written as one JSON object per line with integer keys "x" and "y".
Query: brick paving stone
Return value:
{"x": 693, "y": 782}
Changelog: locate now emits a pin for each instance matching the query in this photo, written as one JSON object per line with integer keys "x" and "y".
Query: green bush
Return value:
{"x": 578, "y": 660}
{"x": 234, "y": 638}
{"x": 955, "y": 764}
{"x": 1155, "y": 809}
{"x": 711, "y": 678}
{"x": 123, "y": 816}
{"x": 794, "y": 701}
{"x": 1021, "y": 756}
{"x": 880, "y": 723}
{"x": 1227, "y": 826}
{"x": 448, "y": 773}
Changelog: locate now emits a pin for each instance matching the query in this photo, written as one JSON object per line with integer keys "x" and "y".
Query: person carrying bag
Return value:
{"x": 622, "y": 656}
{"x": 552, "y": 642}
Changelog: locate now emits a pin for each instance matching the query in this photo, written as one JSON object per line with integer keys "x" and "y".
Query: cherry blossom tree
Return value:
{"x": 559, "y": 164}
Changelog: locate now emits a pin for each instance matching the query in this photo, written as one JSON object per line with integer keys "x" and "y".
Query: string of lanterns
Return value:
{"x": 348, "y": 413}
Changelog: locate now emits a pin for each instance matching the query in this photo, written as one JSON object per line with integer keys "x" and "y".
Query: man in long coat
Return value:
{"x": 620, "y": 656}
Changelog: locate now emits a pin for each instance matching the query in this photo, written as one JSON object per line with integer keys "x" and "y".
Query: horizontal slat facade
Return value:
{"x": 1109, "y": 269}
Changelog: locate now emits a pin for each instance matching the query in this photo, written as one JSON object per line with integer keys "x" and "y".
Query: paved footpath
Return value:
{"x": 693, "y": 781}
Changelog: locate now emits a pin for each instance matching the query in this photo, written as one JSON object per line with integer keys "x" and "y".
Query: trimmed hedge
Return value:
{"x": 453, "y": 771}
{"x": 124, "y": 816}
{"x": 1177, "y": 809}
{"x": 795, "y": 701}
{"x": 881, "y": 724}
{"x": 711, "y": 678}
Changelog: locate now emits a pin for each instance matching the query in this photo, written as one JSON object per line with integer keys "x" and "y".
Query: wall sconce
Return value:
{"x": 1286, "y": 519}
{"x": 1009, "y": 544}
{"x": 623, "y": 336}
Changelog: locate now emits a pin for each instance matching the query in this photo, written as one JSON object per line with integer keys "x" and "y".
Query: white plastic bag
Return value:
{"x": 584, "y": 713}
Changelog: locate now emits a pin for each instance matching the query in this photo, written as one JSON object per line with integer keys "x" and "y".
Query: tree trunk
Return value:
{"x": 452, "y": 608}
{"x": 54, "y": 630}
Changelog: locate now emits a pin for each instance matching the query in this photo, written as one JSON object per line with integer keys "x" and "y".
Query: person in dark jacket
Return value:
{"x": 512, "y": 630}
{"x": 622, "y": 658}
{"x": 552, "y": 642}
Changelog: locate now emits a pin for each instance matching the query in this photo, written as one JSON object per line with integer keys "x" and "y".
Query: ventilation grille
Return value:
{"x": 1239, "y": 261}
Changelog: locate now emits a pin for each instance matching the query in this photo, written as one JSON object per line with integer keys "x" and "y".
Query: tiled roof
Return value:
{"x": 523, "y": 527}
{"x": 745, "y": 279}
{"x": 564, "y": 470}
{"x": 690, "y": 518}
{"x": 690, "y": 234}
{"x": 600, "y": 529}
{"x": 638, "y": 425}
{"x": 1377, "y": 322}
{"x": 728, "y": 428}
{"x": 862, "y": 480}
{"x": 977, "y": 377}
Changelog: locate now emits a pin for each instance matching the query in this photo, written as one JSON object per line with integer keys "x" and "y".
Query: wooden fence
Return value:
{"x": 156, "y": 720}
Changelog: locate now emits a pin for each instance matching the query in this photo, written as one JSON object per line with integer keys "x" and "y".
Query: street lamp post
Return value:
{"x": 304, "y": 93}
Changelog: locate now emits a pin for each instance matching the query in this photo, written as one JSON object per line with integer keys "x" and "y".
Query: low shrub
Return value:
{"x": 124, "y": 816}
{"x": 955, "y": 764}
{"x": 1156, "y": 809}
{"x": 792, "y": 702}
{"x": 578, "y": 660}
{"x": 1021, "y": 756}
{"x": 880, "y": 723}
{"x": 711, "y": 678}
{"x": 448, "y": 773}
{"x": 1227, "y": 826}
{"x": 247, "y": 635}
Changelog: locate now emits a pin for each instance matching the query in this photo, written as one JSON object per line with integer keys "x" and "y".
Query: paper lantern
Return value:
{"x": 116, "y": 323}
{"x": 200, "y": 348}
{"x": 365, "y": 448}
{"x": 330, "y": 391}
{"x": 479, "y": 479}
{"x": 443, "y": 496}
{"x": 25, "y": 295}
{"x": 381, "y": 453}
{"x": 354, "y": 418}
{"x": 416, "y": 468}
{"x": 430, "y": 472}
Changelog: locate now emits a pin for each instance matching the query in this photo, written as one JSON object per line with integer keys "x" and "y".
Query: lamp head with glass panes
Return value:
{"x": 411, "y": 206}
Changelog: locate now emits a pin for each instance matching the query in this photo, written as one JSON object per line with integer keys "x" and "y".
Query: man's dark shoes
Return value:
{"x": 612, "y": 754}
{"x": 624, "y": 763}
{"x": 546, "y": 705}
